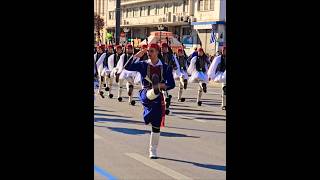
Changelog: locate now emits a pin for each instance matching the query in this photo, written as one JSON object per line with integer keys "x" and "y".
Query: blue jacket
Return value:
{"x": 141, "y": 66}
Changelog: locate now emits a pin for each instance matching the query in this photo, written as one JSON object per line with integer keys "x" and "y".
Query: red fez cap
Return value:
{"x": 180, "y": 50}
{"x": 156, "y": 46}
{"x": 102, "y": 46}
{"x": 129, "y": 46}
{"x": 118, "y": 47}
{"x": 144, "y": 46}
{"x": 110, "y": 46}
{"x": 200, "y": 49}
{"x": 164, "y": 45}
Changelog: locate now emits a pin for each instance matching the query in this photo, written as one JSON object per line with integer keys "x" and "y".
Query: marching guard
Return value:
{"x": 198, "y": 67}
{"x": 103, "y": 70}
{"x": 183, "y": 78}
{"x": 167, "y": 57}
{"x": 112, "y": 63}
{"x": 129, "y": 76}
{"x": 156, "y": 77}
{"x": 217, "y": 73}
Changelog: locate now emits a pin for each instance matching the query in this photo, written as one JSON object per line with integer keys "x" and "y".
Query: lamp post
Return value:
{"x": 160, "y": 28}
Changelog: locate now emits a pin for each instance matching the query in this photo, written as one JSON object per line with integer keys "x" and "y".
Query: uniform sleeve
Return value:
{"x": 213, "y": 67}
{"x": 111, "y": 62}
{"x": 192, "y": 67}
{"x": 120, "y": 63}
{"x": 134, "y": 65}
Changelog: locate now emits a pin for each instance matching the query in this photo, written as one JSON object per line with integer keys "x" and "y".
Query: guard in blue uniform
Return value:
{"x": 156, "y": 77}
{"x": 166, "y": 56}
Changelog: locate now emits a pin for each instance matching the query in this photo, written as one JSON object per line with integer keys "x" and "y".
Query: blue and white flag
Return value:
{"x": 212, "y": 39}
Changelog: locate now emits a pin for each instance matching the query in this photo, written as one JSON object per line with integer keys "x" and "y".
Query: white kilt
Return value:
{"x": 105, "y": 71}
{"x": 127, "y": 75}
{"x": 137, "y": 79}
{"x": 183, "y": 74}
{"x": 198, "y": 76}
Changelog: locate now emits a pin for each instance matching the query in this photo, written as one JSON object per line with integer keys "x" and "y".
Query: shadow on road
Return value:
{"x": 118, "y": 120}
{"x": 128, "y": 121}
{"x": 102, "y": 110}
{"x": 140, "y": 132}
{"x": 209, "y": 166}
{"x": 99, "y": 114}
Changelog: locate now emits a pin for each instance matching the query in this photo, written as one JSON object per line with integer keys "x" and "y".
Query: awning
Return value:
{"x": 209, "y": 22}
{"x": 205, "y": 25}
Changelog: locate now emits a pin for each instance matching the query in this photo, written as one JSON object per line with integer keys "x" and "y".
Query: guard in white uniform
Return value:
{"x": 129, "y": 76}
{"x": 217, "y": 73}
{"x": 183, "y": 78}
{"x": 198, "y": 68}
{"x": 112, "y": 63}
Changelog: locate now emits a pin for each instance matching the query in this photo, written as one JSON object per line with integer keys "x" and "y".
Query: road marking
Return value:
{"x": 186, "y": 117}
{"x": 96, "y": 136}
{"x": 104, "y": 173}
{"x": 159, "y": 167}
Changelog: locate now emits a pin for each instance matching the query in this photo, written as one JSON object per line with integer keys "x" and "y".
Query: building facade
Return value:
{"x": 100, "y": 8}
{"x": 192, "y": 21}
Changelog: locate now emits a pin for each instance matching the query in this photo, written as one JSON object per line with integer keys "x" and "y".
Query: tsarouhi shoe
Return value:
{"x": 119, "y": 99}
{"x": 101, "y": 94}
{"x": 110, "y": 96}
{"x": 133, "y": 102}
{"x": 199, "y": 103}
{"x": 204, "y": 87}
{"x": 107, "y": 88}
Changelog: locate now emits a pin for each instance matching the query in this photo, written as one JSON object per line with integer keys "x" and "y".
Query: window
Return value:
{"x": 149, "y": 9}
{"x": 152, "y": 11}
{"x": 206, "y": 5}
{"x": 156, "y": 9}
{"x": 143, "y": 13}
{"x": 201, "y": 4}
{"x": 127, "y": 13}
{"x": 165, "y": 8}
{"x": 170, "y": 7}
{"x": 130, "y": 12}
{"x": 211, "y": 4}
{"x": 175, "y": 7}
{"x": 136, "y": 12}
{"x": 185, "y": 5}
{"x": 111, "y": 15}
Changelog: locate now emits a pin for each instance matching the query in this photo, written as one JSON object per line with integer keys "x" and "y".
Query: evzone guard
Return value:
{"x": 198, "y": 68}
{"x": 168, "y": 58}
{"x": 103, "y": 70}
{"x": 217, "y": 73}
{"x": 156, "y": 77}
{"x": 183, "y": 78}
{"x": 129, "y": 76}
{"x": 112, "y": 63}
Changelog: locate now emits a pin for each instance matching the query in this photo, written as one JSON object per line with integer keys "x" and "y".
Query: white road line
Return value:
{"x": 159, "y": 167}
{"x": 96, "y": 136}
{"x": 186, "y": 117}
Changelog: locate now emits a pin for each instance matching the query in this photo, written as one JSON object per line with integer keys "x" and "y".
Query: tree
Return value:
{"x": 98, "y": 25}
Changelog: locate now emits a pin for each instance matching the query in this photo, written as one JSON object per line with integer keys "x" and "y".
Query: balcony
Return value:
{"x": 129, "y": 2}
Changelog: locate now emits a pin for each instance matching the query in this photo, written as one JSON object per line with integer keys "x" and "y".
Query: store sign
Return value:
{"x": 203, "y": 26}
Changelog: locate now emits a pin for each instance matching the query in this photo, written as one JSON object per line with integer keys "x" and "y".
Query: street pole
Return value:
{"x": 117, "y": 34}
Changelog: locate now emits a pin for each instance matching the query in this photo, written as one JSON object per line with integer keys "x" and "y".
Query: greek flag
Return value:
{"x": 212, "y": 40}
